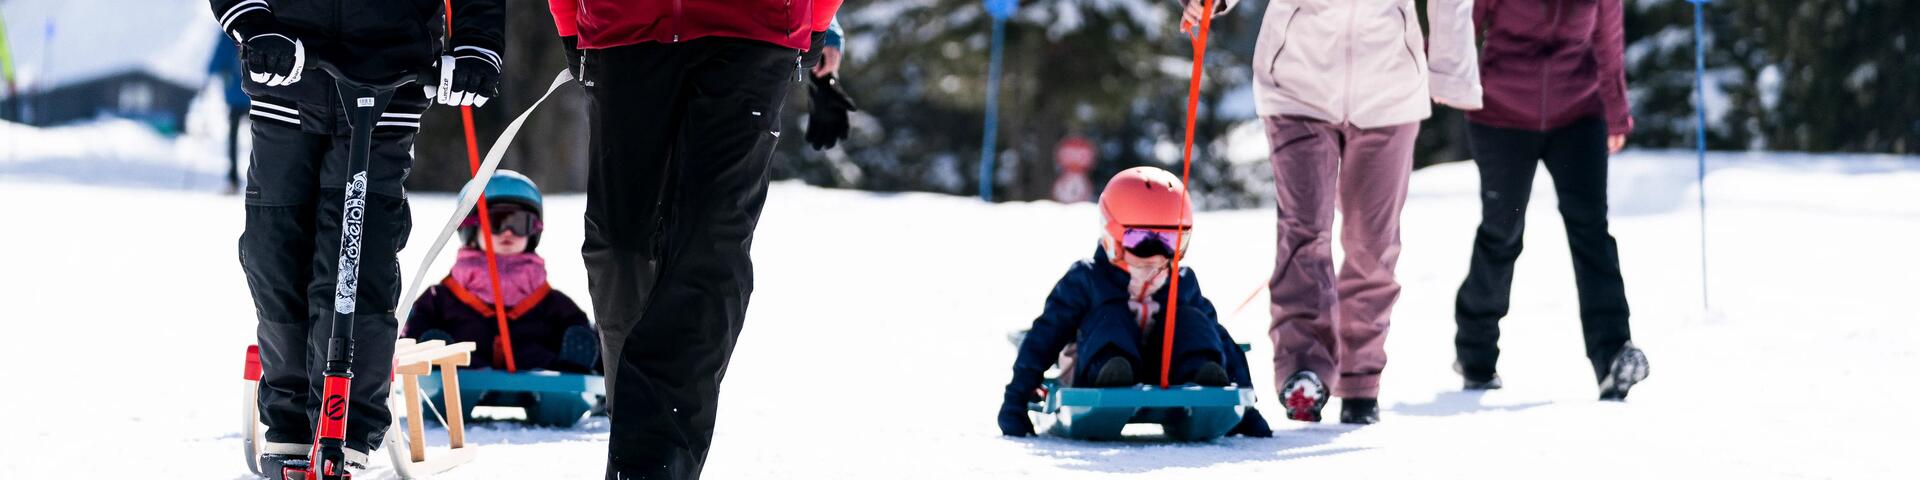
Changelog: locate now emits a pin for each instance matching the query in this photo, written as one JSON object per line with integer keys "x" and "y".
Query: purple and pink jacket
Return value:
{"x": 1546, "y": 63}
{"x": 537, "y": 315}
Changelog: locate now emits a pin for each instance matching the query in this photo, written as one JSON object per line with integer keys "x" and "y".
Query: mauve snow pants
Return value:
{"x": 1336, "y": 326}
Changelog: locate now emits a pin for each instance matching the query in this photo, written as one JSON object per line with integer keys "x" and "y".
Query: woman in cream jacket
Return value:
{"x": 1342, "y": 86}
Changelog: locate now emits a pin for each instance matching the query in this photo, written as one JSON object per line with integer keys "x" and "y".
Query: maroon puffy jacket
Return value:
{"x": 613, "y": 23}
{"x": 1546, "y": 63}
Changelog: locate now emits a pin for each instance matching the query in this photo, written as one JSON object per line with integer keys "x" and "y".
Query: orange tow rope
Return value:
{"x": 486, "y": 223}
{"x": 1179, "y": 236}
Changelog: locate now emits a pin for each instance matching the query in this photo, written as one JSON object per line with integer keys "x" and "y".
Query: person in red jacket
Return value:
{"x": 683, "y": 103}
{"x": 1556, "y": 92}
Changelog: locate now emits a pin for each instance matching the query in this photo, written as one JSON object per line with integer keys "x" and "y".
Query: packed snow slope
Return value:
{"x": 876, "y": 344}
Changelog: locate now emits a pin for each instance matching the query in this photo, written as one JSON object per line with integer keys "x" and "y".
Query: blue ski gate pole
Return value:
{"x": 999, "y": 10}
{"x": 1700, "y": 135}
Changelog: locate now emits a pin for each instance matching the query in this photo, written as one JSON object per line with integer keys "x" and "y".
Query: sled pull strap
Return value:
{"x": 470, "y": 193}
{"x": 1186, "y": 169}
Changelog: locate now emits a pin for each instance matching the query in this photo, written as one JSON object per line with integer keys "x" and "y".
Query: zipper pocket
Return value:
{"x": 1408, "y": 30}
{"x": 1286, "y": 29}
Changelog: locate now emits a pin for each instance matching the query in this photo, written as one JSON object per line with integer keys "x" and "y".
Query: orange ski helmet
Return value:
{"x": 1144, "y": 203}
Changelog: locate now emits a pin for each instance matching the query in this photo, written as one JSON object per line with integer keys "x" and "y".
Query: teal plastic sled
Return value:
{"x": 550, "y": 399}
{"x": 1186, "y": 413}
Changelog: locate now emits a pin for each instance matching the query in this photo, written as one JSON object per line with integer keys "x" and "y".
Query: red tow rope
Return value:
{"x": 486, "y": 223}
{"x": 1179, "y": 236}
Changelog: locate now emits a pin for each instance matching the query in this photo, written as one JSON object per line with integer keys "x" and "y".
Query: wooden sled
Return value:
{"x": 412, "y": 360}
{"x": 407, "y": 449}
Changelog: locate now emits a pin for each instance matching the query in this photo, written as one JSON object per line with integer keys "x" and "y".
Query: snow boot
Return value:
{"x": 1117, "y": 372}
{"x": 1252, "y": 425}
{"x": 1304, "y": 395}
{"x": 1629, "y": 367}
{"x": 1212, "y": 374}
{"x": 1359, "y": 411}
{"x": 1470, "y": 384}
{"x": 271, "y": 464}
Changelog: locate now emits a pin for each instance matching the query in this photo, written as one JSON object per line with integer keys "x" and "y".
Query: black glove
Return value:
{"x": 827, "y": 121}
{"x": 815, "y": 44}
{"x": 470, "y": 76}
{"x": 1013, "y": 416}
{"x": 273, "y": 56}
{"x": 572, "y": 44}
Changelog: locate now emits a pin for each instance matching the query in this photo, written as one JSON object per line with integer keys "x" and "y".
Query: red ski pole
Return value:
{"x": 1186, "y": 169}
{"x": 486, "y": 223}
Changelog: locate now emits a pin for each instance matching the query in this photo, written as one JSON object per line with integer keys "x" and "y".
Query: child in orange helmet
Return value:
{"x": 1108, "y": 309}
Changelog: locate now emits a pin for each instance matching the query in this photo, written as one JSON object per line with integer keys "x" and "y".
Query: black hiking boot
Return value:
{"x": 1304, "y": 395}
{"x": 1471, "y": 384}
{"x": 1359, "y": 411}
{"x": 1118, "y": 372}
{"x": 1629, "y": 367}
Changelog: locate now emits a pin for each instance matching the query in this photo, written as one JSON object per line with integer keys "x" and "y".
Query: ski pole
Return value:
{"x": 486, "y": 222}
{"x": 1186, "y": 170}
{"x": 1700, "y": 136}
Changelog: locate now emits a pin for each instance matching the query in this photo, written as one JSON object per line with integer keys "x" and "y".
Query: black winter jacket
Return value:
{"x": 1088, "y": 285}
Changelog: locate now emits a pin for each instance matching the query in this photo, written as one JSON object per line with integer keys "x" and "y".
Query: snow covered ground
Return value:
{"x": 876, "y": 344}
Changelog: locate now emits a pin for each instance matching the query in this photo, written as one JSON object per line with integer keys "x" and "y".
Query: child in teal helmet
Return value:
{"x": 549, "y": 331}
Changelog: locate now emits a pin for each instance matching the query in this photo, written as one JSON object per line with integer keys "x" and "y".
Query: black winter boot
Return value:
{"x": 1473, "y": 384}
{"x": 1359, "y": 411}
{"x": 1252, "y": 425}
{"x": 1212, "y": 374}
{"x": 1118, "y": 372}
{"x": 1629, "y": 367}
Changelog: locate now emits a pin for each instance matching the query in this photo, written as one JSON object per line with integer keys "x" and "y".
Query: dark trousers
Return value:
{"x": 1114, "y": 331}
{"x": 682, "y": 136}
{"x": 1576, "y": 158}
{"x": 234, "y": 114}
{"x": 289, "y": 249}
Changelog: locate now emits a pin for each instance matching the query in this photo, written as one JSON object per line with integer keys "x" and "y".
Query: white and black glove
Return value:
{"x": 469, "y": 77}
{"x": 272, "y": 56}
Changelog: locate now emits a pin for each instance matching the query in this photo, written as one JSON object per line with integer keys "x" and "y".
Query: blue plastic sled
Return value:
{"x": 550, "y": 399}
{"x": 1188, "y": 413}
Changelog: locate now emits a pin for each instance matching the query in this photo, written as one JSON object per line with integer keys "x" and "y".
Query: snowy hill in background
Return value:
{"x": 876, "y": 343}
{"x": 56, "y": 42}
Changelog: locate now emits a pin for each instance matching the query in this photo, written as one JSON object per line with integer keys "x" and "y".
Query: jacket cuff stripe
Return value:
{"x": 239, "y": 9}
{"x": 490, "y": 55}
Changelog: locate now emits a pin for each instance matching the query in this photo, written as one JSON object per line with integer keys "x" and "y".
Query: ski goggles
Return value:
{"x": 1147, "y": 242}
{"x": 508, "y": 218}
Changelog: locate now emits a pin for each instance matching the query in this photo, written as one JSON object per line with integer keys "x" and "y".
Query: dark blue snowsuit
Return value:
{"x": 1089, "y": 307}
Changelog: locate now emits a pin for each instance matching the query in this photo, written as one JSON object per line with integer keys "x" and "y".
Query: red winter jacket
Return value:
{"x": 613, "y": 23}
{"x": 1546, "y": 63}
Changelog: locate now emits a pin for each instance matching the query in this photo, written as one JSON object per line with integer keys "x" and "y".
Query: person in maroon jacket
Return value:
{"x": 1555, "y": 91}
{"x": 683, "y": 103}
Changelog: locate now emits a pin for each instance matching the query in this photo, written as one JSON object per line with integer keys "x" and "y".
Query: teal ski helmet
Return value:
{"x": 507, "y": 187}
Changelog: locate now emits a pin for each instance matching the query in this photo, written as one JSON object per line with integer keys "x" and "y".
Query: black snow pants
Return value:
{"x": 1576, "y": 158}
{"x": 295, "y": 187}
{"x": 682, "y": 136}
